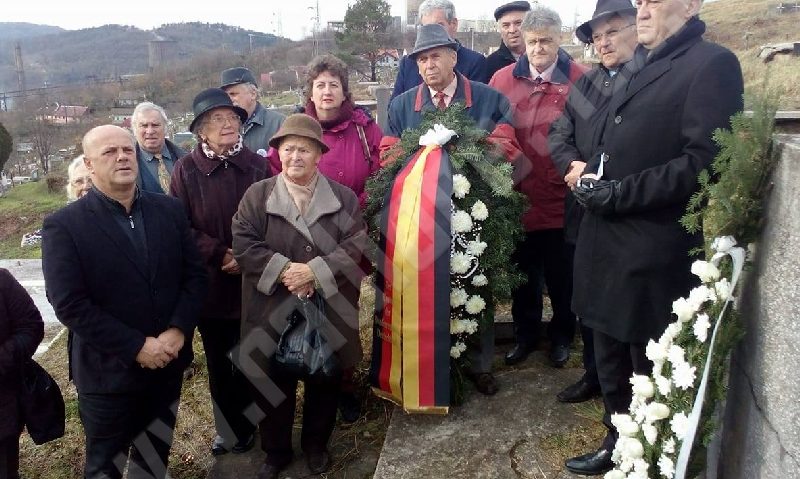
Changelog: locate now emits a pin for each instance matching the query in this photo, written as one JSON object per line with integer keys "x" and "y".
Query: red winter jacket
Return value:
{"x": 535, "y": 107}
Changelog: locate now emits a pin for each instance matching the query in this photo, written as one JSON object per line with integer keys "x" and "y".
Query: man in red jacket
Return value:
{"x": 537, "y": 86}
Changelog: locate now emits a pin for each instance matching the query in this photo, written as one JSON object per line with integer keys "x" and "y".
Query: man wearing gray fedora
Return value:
{"x": 241, "y": 86}
{"x": 435, "y": 56}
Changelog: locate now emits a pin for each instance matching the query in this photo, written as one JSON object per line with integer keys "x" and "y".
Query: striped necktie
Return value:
{"x": 163, "y": 174}
{"x": 439, "y": 96}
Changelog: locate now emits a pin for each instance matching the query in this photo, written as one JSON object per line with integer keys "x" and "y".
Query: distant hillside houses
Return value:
{"x": 66, "y": 114}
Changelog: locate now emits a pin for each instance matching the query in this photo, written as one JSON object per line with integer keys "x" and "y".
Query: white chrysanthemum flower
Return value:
{"x": 723, "y": 244}
{"x": 460, "y": 263}
{"x": 701, "y": 326}
{"x": 479, "y": 211}
{"x": 684, "y": 309}
{"x": 461, "y": 222}
{"x": 666, "y": 467}
{"x": 457, "y": 349}
{"x": 706, "y": 271}
{"x": 475, "y": 304}
{"x": 672, "y": 332}
{"x": 458, "y": 326}
{"x": 642, "y": 385}
{"x": 650, "y": 433}
{"x": 664, "y": 385}
{"x": 668, "y": 446}
{"x": 679, "y": 425}
{"x": 470, "y": 326}
{"x": 460, "y": 186}
{"x": 655, "y": 351}
{"x": 723, "y": 288}
{"x": 458, "y": 297}
{"x": 614, "y": 474}
{"x": 699, "y": 295}
{"x": 640, "y": 466}
{"x": 476, "y": 248}
{"x": 480, "y": 280}
{"x": 683, "y": 375}
{"x": 676, "y": 354}
{"x": 657, "y": 411}
{"x": 638, "y": 475}
{"x": 633, "y": 448}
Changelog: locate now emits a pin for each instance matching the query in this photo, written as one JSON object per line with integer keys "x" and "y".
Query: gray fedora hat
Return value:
{"x": 209, "y": 99}
{"x": 432, "y": 36}
{"x": 604, "y": 10}
{"x": 234, "y": 76}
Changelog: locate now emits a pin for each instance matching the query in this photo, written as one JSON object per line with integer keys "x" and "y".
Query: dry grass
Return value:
{"x": 743, "y": 26}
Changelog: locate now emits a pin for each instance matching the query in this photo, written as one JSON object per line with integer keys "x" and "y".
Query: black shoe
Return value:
{"x": 245, "y": 444}
{"x": 579, "y": 392}
{"x": 269, "y": 471}
{"x": 349, "y": 407}
{"x": 485, "y": 383}
{"x": 559, "y": 354}
{"x": 591, "y": 464}
{"x": 218, "y": 446}
{"x": 318, "y": 462}
{"x": 518, "y": 354}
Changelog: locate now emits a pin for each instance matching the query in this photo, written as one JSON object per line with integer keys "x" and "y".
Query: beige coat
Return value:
{"x": 268, "y": 232}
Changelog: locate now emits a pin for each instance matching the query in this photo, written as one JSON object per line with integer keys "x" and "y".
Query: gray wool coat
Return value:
{"x": 268, "y": 232}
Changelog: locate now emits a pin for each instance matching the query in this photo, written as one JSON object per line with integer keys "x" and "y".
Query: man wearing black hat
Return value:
{"x": 632, "y": 253}
{"x": 575, "y": 137}
{"x": 469, "y": 63}
{"x": 435, "y": 56}
{"x": 509, "y": 19}
{"x": 240, "y": 84}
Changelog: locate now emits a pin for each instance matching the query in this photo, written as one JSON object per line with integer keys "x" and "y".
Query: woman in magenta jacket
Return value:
{"x": 349, "y": 131}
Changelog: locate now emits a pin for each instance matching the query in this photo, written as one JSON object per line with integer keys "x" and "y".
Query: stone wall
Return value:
{"x": 760, "y": 436}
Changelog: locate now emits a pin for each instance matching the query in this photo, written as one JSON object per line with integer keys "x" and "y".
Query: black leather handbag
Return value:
{"x": 303, "y": 349}
{"x": 41, "y": 404}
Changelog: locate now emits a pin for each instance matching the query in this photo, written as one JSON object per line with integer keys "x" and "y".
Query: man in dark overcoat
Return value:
{"x": 632, "y": 256}
{"x": 575, "y": 136}
{"x": 123, "y": 274}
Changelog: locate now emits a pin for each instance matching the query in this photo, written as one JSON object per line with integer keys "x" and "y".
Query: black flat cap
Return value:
{"x": 519, "y": 6}
{"x": 604, "y": 10}
{"x": 211, "y": 98}
{"x": 432, "y": 36}
{"x": 234, "y": 76}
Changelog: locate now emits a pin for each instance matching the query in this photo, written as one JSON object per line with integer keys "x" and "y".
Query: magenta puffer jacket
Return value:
{"x": 346, "y": 162}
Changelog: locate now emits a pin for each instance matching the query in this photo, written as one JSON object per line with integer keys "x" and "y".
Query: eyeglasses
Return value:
{"x": 611, "y": 34}
{"x": 220, "y": 120}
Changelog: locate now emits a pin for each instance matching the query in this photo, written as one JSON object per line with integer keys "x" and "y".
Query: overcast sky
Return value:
{"x": 294, "y": 18}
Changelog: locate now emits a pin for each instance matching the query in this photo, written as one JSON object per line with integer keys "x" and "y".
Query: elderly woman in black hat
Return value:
{"x": 298, "y": 237}
{"x": 210, "y": 181}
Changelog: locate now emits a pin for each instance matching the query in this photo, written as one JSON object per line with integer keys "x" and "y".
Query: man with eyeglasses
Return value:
{"x": 241, "y": 86}
{"x": 537, "y": 86}
{"x": 632, "y": 254}
{"x": 575, "y": 137}
{"x": 509, "y": 18}
{"x": 155, "y": 154}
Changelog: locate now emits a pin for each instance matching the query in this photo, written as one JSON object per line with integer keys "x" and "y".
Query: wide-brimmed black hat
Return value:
{"x": 604, "y": 10}
{"x": 432, "y": 36}
{"x": 299, "y": 124}
{"x": 519, "y": 6}
{"x": 234, "y": 76}
{"x": 212, "y": 98}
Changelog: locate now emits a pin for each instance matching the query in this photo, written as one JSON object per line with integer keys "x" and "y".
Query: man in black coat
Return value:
{"x": 123, "y": 274}
{"x": 632, "y": 255}
{"x": 575, "y": 136}
{"x": 509, "y": 20}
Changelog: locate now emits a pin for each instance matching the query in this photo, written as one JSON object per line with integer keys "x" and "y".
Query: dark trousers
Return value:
{"x": 319, "y": 416}
{"x": 230, "y": 390}
{"x": 616, "y": 362}
{"x": 139, "y": 425}
{"x": 9, "y": 457}
{"x": 587, "y": 335}
{"x": 543, "y": 255}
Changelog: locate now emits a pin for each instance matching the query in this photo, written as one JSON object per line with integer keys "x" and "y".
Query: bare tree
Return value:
{"x": 43, "y": 142}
